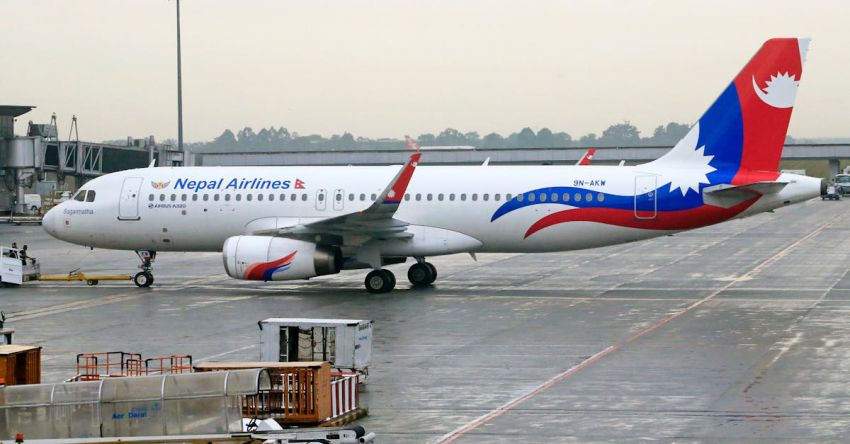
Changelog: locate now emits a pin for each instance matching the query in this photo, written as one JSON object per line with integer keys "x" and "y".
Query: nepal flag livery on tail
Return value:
{"x": 716, "y": 172}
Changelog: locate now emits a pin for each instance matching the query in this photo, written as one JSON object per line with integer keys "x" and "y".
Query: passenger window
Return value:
{"x": 543, "y": 197}
{"x": 260, "y": 197}
{"x": 282, "y": 197}
{"x": 150, "y": 198}
{"x": 485, "y": 197}
{"x": 463, "y": 196}
{"x": 440, "y": 197}
{"x": 554, "y": 197}
{"x": 321, "y": 197}
{"x": 194, "y": 198}
{"x": 566, "y": 197}
{"x": 577, "y": 197}
{"x": 531, "y": 197}
{"x": 589, "y": 197}
{"x": 249, "y": 197}
{"x": 339, "y": 197}
{"x": 374, "y": 197}
{"x": 509, "y": 196}
{"x": 294, "y": 197}
{"x": 520, "y": 197}
{"x": 183, "y": 197}
{"x": 206, "y": 197}
{"x": 430, "y": 197}
{"x": 351, "y": 197}
{"x": 162, "y": 197}
{"x": 90, "y": 196}
{"x": 304, "y": 197}
{"x": 600, "y": 197}
{"x": 227, "y": 197}
{"x": 497, "y": 197}
{"x": 418, "y": 196}
{"x": 80, "y": 196}
{"x": 406, "y": 196}
{"x": 215, "y": 197}
{"x": 362, "y": 197}
{"x": 452, "y": 197}
{"x": 271, "y": 196}
{"x": 173, "y": 197}
{"x": 239, "y": 197}
{"x": 474, "y": 196}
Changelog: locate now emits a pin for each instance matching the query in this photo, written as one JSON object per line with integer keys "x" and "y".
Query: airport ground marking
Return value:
{"x": 506, "y": 407}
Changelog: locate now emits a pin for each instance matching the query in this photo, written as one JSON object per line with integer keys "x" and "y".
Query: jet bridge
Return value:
{"x": 40, "y": 163}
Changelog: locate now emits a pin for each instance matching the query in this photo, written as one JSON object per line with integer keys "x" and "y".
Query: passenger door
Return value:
{"x": 128, "y": 205}
{"x": 646, "y": 205}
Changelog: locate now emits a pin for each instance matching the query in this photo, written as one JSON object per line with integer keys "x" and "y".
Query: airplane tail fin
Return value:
{"x": 743, "y": 132}
{"x": 411, "y": 144}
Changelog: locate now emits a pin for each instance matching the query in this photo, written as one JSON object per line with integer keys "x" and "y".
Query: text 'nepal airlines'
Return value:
{"x": 283, "y": 223}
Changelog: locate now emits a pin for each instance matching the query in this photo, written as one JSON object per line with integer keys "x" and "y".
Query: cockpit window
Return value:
{"x": 842, "y": 179}
{"x": 80, "y": 196}
{"x": 90, "y": 196}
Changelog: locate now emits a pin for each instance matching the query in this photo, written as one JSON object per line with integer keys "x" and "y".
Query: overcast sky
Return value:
{"x": 387, "y": 68}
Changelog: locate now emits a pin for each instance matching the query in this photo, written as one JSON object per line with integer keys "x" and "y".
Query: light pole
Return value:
{"x": 179, "y": 90}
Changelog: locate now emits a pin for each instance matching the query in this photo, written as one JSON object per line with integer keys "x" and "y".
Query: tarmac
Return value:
{"x": 734, "y": 333}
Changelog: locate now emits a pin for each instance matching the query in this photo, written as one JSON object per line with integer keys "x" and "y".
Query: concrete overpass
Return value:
{"x": 608, "y": 155}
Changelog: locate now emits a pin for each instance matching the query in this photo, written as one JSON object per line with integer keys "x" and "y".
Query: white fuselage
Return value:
{"x": 449, "y": 208}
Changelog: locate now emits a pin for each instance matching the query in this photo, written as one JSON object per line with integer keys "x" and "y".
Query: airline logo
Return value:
{"x": 236, "y": 183}
{"x": 263, "y": 271}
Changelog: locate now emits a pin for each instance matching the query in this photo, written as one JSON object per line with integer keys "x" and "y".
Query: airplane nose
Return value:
{"x": 49, "y": 221}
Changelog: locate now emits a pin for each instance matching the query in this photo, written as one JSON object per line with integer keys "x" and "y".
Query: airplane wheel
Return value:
{"x": 420, "y": 274}
{"x": 379, "y": 281}
{"x": 143, "y": 279}
{"x": 433, "y": 272}
{"x": 91, "y": 282}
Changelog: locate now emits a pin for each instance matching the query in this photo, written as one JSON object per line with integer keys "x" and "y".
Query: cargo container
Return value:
{"x": 345, "y": 343}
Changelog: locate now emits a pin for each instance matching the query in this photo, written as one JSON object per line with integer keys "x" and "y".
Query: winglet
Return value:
{"x": 411, "y": 144}
{"x": 395, "y": 192}
{"x": 588, "y": 156}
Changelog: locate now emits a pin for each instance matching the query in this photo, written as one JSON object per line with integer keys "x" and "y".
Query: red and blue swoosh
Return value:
{"x": 263, "y": 271}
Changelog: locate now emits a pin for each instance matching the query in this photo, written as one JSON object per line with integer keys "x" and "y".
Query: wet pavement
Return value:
{"x": 733, "y": 333}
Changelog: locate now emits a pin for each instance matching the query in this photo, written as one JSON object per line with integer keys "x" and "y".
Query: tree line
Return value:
{"x": 281, "y": 139}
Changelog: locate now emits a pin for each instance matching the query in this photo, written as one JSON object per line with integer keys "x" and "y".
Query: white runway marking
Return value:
{"x": 504, "y": 408}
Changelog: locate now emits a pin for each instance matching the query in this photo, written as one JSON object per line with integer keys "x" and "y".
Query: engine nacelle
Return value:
{"x": 267, "y": 258}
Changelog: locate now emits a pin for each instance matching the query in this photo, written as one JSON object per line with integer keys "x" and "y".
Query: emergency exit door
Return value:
{"x": 339, "y": 200}
{"x": 646, "y": 203}
{"x": 128, "y": 206}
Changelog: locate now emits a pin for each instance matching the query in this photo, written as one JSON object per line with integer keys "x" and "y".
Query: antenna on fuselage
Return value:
{"x": 153, "y": 163}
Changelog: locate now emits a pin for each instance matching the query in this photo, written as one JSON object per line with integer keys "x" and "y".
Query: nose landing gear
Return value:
{"x": 144, "y": 278}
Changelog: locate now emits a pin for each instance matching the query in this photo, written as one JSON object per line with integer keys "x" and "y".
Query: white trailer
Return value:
{"x": 15, "y": 267}
{"x": 345, "y": 343}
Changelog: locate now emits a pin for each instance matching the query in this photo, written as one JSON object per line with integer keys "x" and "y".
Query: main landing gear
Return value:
{"x": 380, "y": 281}
{"x": 144, "y": 278}
{"x": 420, "y": 274}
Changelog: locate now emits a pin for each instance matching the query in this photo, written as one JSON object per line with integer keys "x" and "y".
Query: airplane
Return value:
{"x": 298, "y": 222}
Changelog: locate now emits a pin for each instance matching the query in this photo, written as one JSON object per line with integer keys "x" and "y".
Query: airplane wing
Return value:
{"x": 375, "y": 222}
{"x": 727, "y": 196}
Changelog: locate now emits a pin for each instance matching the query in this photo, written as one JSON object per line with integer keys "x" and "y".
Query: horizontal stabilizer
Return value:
{"x": 727, "y": 196}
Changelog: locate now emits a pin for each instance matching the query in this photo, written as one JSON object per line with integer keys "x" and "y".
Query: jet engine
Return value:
{"x": 268, "y": 258}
